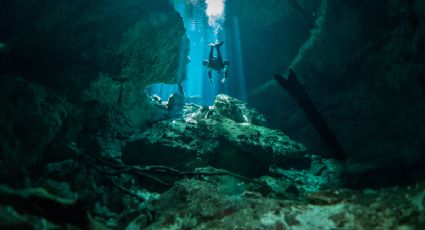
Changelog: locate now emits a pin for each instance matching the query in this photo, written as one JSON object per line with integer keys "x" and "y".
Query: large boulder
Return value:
{"x": 237, "y": 110}
{"x": 207, "y": 134}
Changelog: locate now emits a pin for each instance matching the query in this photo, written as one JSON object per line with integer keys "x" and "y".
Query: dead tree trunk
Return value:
{"x": 297, "y": 91}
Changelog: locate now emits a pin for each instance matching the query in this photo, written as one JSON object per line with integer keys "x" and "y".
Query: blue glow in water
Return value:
{"x": 162, "y": 90}
{"x": 239, "y": 87}
{"x": 197, "y": 86}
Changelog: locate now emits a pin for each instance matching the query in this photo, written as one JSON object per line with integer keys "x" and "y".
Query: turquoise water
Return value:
{"x": 197, "y": 86}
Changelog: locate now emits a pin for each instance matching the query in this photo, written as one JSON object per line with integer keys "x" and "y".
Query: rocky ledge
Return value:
{"x": 227, "y": 135}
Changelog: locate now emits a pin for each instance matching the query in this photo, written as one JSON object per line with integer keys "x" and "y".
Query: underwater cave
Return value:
{"x": 212, "y": 114}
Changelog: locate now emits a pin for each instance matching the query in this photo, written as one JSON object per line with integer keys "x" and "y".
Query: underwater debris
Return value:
{"x": 297, "y": 91}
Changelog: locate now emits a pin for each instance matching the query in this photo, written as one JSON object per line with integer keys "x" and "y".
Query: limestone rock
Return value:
{"x": 237, "y": 110}
{"x": 207, "y": 133}
{"x": 175, "y": 103}
{"x": 106, "y": 51}
{"x": 193, "y": 204}
{"x": 279, "y": 187}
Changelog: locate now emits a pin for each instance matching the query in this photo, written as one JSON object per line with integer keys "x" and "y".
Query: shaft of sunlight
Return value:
{"x": 215, "y": 14}
{"x": 204, "y": 23}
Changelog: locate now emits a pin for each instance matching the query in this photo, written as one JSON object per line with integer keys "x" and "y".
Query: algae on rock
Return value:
{"x": 211, "y": 135}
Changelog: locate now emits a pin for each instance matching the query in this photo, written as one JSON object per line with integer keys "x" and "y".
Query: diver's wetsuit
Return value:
{"x": 216, "y": 63}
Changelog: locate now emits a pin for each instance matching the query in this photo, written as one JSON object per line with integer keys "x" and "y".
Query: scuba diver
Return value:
{"x": 216, "y": 63}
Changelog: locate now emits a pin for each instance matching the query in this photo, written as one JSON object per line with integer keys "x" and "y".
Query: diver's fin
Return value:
{"x": 218, "y": 44}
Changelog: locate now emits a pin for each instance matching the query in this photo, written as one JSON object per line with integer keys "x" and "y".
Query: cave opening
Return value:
{"x": 205, "y": 22}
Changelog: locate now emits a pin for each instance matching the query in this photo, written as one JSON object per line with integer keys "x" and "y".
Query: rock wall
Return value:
{"x": 95, "y": 57}
{"x": 30, "y": 119}
{"x": 363, "y": 67}
{"x": 68, "y": 44}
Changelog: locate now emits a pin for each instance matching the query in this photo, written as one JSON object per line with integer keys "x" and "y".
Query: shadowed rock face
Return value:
{"x": 31, "y": 118}
{"x": 362, "y": 64}
{"x": 94, "y": 57}
{"x": 68, "y": 44}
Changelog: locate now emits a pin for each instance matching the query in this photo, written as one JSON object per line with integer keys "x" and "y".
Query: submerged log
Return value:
{"x": 297, "y": 91}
